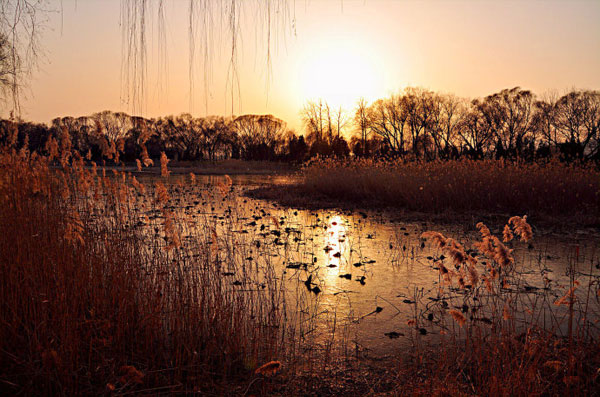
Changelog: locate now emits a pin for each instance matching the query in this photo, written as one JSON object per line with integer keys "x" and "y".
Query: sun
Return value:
{"x": 340, "y": 75}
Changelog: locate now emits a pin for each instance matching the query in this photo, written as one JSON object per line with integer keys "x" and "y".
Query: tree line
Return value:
{"x": 512, "y": 123}
{"x": 415, "y": 123}
{"x": 111, "y": 135}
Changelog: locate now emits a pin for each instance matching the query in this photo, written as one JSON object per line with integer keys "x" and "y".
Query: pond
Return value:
{"x": 368, "y": 278}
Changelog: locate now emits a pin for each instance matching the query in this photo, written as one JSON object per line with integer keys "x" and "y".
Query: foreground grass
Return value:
{"x": 464, "y": 187}
{"x": 96, "y": 297}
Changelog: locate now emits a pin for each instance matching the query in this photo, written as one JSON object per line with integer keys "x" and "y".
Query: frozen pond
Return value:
{"x": 368, "y": 275}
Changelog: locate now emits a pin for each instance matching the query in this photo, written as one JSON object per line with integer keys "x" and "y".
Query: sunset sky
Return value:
{"x": 335, "y": 50}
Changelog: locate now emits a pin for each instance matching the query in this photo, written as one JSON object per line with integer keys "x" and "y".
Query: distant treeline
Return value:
{"x": 418, "y": 123}
{"x": 509, "y": 124}
{"x": 111, "y": 135}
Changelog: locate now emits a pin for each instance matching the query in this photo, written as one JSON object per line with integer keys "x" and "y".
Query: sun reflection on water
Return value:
{"x": 336, "y": 245}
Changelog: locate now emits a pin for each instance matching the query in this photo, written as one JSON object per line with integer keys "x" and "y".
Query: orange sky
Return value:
{"x": 340, "y": 50}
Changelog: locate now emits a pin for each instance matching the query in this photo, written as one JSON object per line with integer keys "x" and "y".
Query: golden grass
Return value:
{"x": 497, "y": 338}
{"x": 93, "y": 299}
{"x": 552, "y": 188}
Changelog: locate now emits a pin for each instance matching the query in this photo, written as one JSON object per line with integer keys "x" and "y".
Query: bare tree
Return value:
{"x": 362, "y": 122}
{"x": 388, "y": 119}
{"x": 578, "y": 122}
{"x": 419, "y": 106}
{"x": 341, "y": 121}
{"x": 216, "y": 134}
{"x": 475, "y": 130}
{"x": 545, "y": 118}
{"x": 259, "y": 134}
{"x": 315, "y": 121}
{"x": 114, "y": 125}
{"x": 446, "y": 117}
{"x": 208, "y": 20}
{"x": 21, "y": 22}
{"x": 6, "y": 70}
{"x": 510, "y": 114}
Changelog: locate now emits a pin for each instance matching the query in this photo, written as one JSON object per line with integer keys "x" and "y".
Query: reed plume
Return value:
{"x": 458, "y": 317}
{"x": 164, "y": 170}
{"x": 521, "y": 227}
{"x": 269, "y": 369}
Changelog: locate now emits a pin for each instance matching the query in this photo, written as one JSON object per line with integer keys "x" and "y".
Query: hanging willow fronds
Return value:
{"x": 209, "y": 21}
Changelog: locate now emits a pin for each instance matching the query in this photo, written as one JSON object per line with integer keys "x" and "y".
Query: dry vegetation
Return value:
{"x": 96, "y": 296}
{"x": 499, "y": 334}
{"x": 105, "y": 287}
{"x": 476, "y": 187}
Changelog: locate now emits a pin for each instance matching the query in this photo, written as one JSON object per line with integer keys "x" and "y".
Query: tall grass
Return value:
{"x": 552, "y": 188}
{"x": 97, "y": 295}
{"x": 499, "y": 334}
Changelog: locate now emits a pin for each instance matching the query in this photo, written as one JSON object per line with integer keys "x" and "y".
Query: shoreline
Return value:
{"x": 297, "y": 196}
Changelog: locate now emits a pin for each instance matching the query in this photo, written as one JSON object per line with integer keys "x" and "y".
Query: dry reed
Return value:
{"x": 551, "y": 189}
{"x": 98, "y": 292}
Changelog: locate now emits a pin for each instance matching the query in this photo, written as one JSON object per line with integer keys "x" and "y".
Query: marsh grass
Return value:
{"x": 550, "y": 189}
{"x": 99, "y": 296}
{"x": 500, "y": 335}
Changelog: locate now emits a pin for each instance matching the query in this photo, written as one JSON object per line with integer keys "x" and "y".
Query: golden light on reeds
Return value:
{"x": 458, "y": 185}
{"x": 569, "y": 297}
{"x": 171, "y": 232}
{"x": 138, "y": 186}
{"x": 224, "y": 185}
{"x": 164, "y": 170}
{"x": 148, "y": 162}
{"x": 268, "y": 369}
{"x": 214, "y": 244}
{"x": 439, "y": 238}
{"x": 507, "y": 234}
{"x": 458, "y": 317}
{"x": 74, "y": 229}
{"x": 521, "y": 227}
{"x": 161, "y": 193}
{"x": 493, "y": 248}
{"x": 454, "y": 250}
{"x": 128, "y": 290}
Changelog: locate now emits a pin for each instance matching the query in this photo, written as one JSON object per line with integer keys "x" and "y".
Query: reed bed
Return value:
{"x": 105, "y": 288}
{"x": 486, "y": 186}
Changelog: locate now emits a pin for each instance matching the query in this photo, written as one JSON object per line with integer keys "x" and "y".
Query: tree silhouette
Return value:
{"x": 388, "y": 120}
{"x": 20, "y": 24}
{"x": 259, "y": 135}
{"x": 362, "y": 122}
{"x": 578, "y": 123}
